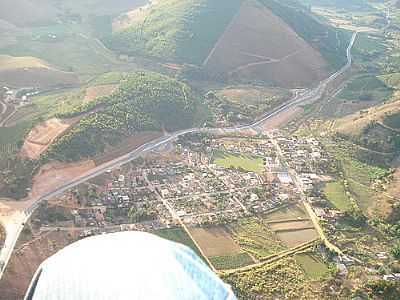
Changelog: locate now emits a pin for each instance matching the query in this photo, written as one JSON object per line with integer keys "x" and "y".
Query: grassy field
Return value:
{"x": 231, "y": 261}
{"x": 215, "y": 241}
{"x": 366, "y": 88}
{"x": 245, "y": 162}
{"x": 73, "y": 50}
{"x": 364, "y": 196}
{"x": 15, "y": 134}
{"x": 369, "y": 46}
{"x": 313, "y": 267}
{"x": 255, "y": 238}
{"x": 336, "y": 194}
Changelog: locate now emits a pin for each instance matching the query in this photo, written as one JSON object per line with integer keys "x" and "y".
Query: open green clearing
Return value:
{"x": 336, "y": 194}
{"x": 313, "y": 267}
{"x": 239, "y": 161}
{"x": 231, "y": 261}
{"x": 363, "y": 194}
{"x": 255, "y": 238}
{"x": 48, "y": 105}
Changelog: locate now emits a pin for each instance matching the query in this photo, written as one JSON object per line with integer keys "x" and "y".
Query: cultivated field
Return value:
{"x": 222, "y": 251}
{"x": 33, "y": 72}
{"x": 215, "y": 241}
{"x": 292, "y": 225}
{"x": 291, "y": 212}
{"x": 255, "y": 238}
{"x": 287, "y": 61}
{"x": 177, "y": 235}
{"x": 297, "y": 237}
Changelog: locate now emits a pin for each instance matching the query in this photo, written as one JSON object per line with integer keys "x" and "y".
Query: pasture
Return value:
{"x": 335, "y": 193}
{"x": 244, "y": 162}
{"x": 215, "y": 241}
{"x": 313, "y": 266}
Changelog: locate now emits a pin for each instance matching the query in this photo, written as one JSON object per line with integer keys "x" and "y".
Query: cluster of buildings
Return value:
{"x": 194, "y": 189}
{"x": 19, "y": 97}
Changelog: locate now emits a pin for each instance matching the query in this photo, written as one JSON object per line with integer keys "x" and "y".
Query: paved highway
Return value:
{"x": 14, "y": 229}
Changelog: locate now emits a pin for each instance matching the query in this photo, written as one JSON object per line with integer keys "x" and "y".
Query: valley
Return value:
{"x": 262, "y": 134}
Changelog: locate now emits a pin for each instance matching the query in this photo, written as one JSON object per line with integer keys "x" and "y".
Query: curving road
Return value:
{"x": 14, "y": 228}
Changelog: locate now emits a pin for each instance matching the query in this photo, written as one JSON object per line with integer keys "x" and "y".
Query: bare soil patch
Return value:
{"x": 55, "y": 174}
{"x": 94, "y": 92}
{"x": 42, "y": 135}
{"x": 291, "y": 212}
{"x": 259, "y": 45}
{"x": 215, "y": 241}
{"x": 25, "y": 261}
{"x": 354, "y": 123}
{"x": 295, "y": 238}
{"x": 287, "y": 226}
{"x": 282, "y": 118}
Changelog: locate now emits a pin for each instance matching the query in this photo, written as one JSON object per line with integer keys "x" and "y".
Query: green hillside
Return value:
{"x": 331, "y": 42}
{"x": 144, "y": 101}
{"x": 177, "y": 30}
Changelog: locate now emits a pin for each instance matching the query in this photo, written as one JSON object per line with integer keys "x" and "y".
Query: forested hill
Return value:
{"x": 144, "y": 101}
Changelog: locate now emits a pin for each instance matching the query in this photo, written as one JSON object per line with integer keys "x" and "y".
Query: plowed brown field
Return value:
{"x": 259, "y": 45}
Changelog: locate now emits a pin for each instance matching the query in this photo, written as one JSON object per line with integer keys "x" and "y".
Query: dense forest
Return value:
{"x": 144, "y": 101}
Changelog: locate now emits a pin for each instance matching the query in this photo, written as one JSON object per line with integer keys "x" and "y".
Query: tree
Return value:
{"x": 396, "y": 250}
